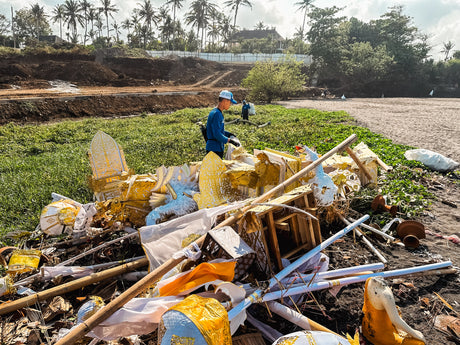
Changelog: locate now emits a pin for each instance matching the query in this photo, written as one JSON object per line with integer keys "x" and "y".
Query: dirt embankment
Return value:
{"x": 109, "y": 86}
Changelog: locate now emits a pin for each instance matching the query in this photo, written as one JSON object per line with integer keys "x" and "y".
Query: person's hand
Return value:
{"x": 234, "y": 141}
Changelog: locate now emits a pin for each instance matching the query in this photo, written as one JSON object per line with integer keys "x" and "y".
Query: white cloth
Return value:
{"x": 49, "y": 272}
{"x": 138, "y": 316}
{"x": 162, "y": 241}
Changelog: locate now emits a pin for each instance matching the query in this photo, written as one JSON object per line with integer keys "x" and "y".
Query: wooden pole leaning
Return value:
{"x": 71, "y": 286}
{"x": 103, "y": 313}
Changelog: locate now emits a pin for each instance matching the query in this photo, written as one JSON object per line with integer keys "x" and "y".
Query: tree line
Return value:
{"x": 384, "y": 56}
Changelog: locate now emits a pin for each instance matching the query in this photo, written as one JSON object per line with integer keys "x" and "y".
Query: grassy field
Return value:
{"x": 36, "y": 160}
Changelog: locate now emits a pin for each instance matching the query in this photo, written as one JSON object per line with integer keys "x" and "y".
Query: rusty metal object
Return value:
{"x": 411, "y": 232}
{"x": 379, "y": 205}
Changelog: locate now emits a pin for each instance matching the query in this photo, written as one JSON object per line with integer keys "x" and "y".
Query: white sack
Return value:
{"x": 432, "y": 160}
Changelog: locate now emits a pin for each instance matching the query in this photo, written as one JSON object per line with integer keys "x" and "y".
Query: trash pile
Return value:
{"x": 181, "y": 255}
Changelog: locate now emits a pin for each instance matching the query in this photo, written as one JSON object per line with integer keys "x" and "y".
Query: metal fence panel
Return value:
{"x": 229, "y": 57}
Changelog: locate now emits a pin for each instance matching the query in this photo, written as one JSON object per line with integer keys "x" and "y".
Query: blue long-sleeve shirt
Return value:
{"x": 217, "y": 136}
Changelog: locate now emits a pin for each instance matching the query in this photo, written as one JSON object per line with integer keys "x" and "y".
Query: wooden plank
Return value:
{"x": 273, "y": 239}
{"x": 316, "y": 226}
{"x": 295, "y": 230}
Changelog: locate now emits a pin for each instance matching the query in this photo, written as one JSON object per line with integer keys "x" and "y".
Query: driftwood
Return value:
{"x": 103, "y": 313}
{"x": 71, "y": 286}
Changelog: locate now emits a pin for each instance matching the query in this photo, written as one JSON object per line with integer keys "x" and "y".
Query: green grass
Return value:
{"x": 38, "y": 160}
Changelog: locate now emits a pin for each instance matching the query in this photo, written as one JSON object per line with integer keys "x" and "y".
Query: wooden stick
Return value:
{"x": 365, "y": 240}
{"x": 383, "y": 165}
{"x": 103, "y": 313}
{"x": 359, "y": 163}
{"x": 71, "y": 286}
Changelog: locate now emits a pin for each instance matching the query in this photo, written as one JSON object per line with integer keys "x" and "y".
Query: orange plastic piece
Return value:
{"x": 203, "y": 273}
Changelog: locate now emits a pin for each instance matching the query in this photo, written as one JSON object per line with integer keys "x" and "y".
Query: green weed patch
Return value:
{"x": 38, "y": 160}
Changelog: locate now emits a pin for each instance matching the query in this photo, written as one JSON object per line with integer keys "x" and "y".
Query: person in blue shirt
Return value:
{"x": 215, "y": 129}
{"x": 245, "y": 110}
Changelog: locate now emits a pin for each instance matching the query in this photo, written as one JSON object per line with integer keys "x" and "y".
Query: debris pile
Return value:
{"x": 195, "y": 254}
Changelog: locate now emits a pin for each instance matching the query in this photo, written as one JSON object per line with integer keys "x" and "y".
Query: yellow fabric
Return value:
{"x": 24, "y": 260}
{"x": 377, "y": 327}
{"x": 214, "y": 184}
{"x": 203, "y": 273}
{"x": 268, "y": 172}
{"x": 209, "y": 316}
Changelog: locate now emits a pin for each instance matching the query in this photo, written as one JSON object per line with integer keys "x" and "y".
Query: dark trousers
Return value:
{"x": 220, "y": 154}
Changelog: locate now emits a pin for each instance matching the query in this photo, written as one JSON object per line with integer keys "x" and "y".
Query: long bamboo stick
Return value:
{"x": 71, "y": 286}
{"x": 103, "y": 313}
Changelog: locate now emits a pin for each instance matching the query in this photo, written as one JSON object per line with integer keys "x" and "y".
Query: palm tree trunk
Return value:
{"x": 107, "y": 23}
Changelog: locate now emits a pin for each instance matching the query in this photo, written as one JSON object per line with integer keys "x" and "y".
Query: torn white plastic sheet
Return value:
{"x": 49, "y": 272}
{"x": 161, "y": 241}
{"x": 138, "y": 316}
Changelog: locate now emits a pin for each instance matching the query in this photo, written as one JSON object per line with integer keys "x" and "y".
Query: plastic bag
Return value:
{"x": 252, "y": 109}
{"x": 432, "y": 160}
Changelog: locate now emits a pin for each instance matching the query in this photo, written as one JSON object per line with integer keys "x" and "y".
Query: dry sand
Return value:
{"x": 429, "y": 123}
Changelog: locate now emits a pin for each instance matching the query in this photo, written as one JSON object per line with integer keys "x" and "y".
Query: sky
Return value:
{"x": 439, "y": 19}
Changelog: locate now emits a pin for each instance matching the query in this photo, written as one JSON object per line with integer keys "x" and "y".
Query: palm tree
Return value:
{"x": 38, "y": 15}
{"x": 235, "y": 5}
{"x": 199, "y": 15}
{"x": 58, "y": 15}
{"x": 127, "y": 24}
{"x": 147, "y": 14}
{"x": 72, "y": 16}
{"x": 116, "y": 29}
{"x": 304, "y": 5}
{"x": 85, "y": 8}
{"x": 225, "y": 26}
{"x": 99, "y": 26}
{"x": 93, "y": 16}
{"x": 447, "y": 47}
{"x": 107, "y": 8}
{"x": 175, "y": 4}
{"x": 260, "y": 26}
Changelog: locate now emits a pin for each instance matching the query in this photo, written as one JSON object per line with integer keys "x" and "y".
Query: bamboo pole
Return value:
{"x": 71, "y": 286}
{"x": 359, "y": 163}
{"x": 103, "y": 313}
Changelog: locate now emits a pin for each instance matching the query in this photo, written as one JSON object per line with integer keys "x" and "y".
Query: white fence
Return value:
{"x": 229, "y": 57}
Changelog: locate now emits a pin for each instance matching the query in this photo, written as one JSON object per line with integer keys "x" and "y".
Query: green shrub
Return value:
{"x": 268, "y": 81}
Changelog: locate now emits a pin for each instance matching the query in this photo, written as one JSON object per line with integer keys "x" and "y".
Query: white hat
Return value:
{"x": 227, "y": 95}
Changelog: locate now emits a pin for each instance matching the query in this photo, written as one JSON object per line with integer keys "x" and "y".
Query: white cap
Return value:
{"x": 227, "y": 95}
